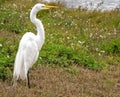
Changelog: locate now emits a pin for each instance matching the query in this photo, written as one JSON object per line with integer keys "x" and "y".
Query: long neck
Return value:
{"x": 39, "y": 26}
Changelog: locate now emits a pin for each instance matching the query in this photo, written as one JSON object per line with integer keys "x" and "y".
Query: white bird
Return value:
{"x": 29, "y": 47}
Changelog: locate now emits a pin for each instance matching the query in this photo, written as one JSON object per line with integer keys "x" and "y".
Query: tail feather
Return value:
{"x": 19, "y": 71}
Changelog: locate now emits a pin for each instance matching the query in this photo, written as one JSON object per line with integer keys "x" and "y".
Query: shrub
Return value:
{"x": 112, "y": 47}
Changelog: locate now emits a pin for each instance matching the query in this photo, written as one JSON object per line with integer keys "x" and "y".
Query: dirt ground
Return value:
{"x": 56, "y": 82}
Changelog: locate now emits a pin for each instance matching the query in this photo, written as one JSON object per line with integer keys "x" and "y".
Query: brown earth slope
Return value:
{"x": 56, "y": 82}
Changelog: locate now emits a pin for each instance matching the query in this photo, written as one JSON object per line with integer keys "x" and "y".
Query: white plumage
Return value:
{"x": 29, "y": 47}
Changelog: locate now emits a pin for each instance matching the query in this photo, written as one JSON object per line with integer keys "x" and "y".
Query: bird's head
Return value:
{"x": 40, "y": 6}
{"x": 37, "y": 8}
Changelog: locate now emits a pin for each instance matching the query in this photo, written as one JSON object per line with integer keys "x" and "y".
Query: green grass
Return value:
{"x": 90, "y": 39}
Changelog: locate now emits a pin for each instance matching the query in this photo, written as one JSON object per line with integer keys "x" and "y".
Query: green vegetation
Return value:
{"x": 90, "y": 39}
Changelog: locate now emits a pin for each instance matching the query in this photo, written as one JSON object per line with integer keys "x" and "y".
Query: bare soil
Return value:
{"x": 56, "y": 82}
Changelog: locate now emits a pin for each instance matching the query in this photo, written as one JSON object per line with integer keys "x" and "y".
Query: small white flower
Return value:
{"x": 48, "y": 23}
{"x": 8, "y": 56}
{"x": 15, "y": 5}
{"x": 68, "y": 37}
{"x": 72, "y": 44}
{"x": 99, "y": 54}
{"x": 101, "y": 36}
{"x": 81, "y": 42}
{"x": 109, "y": 33}
{"x": 66, "y": 31}
{"x": 1, "y": 45}
{"x": 91, "y": 35}
{"x": 2, "y": 23}
{"x": 96, "y": 49}
{"x": 102, "y": 51}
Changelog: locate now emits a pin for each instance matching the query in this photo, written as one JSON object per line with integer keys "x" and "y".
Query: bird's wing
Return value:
{"x": 26, "y": 56}
{"x": 29, "y": 46}
{"x": 18, "y": 66}
{"x": 31, "y": 53}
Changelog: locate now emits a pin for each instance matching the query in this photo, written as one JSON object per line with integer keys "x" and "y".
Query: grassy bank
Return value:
{"x": 90, "y": 39}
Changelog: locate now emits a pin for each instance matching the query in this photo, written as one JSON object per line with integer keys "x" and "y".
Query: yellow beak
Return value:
{"x": 50, "y": 6}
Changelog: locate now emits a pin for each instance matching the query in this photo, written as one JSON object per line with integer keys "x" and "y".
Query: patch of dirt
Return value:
{"x": 6, "y": 34}
{"x": 56, "y": 82}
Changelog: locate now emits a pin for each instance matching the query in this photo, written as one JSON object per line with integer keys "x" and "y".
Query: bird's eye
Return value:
{"x": 43, "y": 6}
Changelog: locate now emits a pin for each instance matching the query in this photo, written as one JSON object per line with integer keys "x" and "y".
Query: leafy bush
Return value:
{"x": 6, "y": 64}
{"x": 56, "y": 54}
{"x": 65, "y": 57}
{"x": 7, "y": 56}
{"x": 112, "y": 47}
{"x": 12, "y": 21}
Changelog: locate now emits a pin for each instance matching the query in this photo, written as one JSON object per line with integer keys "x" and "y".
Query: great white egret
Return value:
{"x": 29, "y": 47}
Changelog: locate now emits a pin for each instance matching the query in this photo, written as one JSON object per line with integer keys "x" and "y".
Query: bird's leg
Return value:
{"x": 28, "y": 80}
{"x": 14, "y": 82}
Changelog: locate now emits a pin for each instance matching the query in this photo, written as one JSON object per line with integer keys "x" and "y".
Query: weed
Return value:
{"x": 112, "y": 47}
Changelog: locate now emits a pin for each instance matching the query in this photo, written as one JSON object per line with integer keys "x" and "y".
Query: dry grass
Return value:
{"x": 55, "y": 82}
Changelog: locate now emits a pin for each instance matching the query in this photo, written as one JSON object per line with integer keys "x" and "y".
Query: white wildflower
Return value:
{"x": 14, "y": 5}
{"x": 68, "y": 37}
{"x": 102, "y": 51}
{"x": 99, "y": 54}
{"x": 8, "y": 56}
{"x": 96, "y": 49}
{"x": 109, "y": 33}
{"x": 91, "y": 35}
{"x": 1, "y": 45}
{"x": 101, "y": 36}
{"x": 81, "y": 42}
